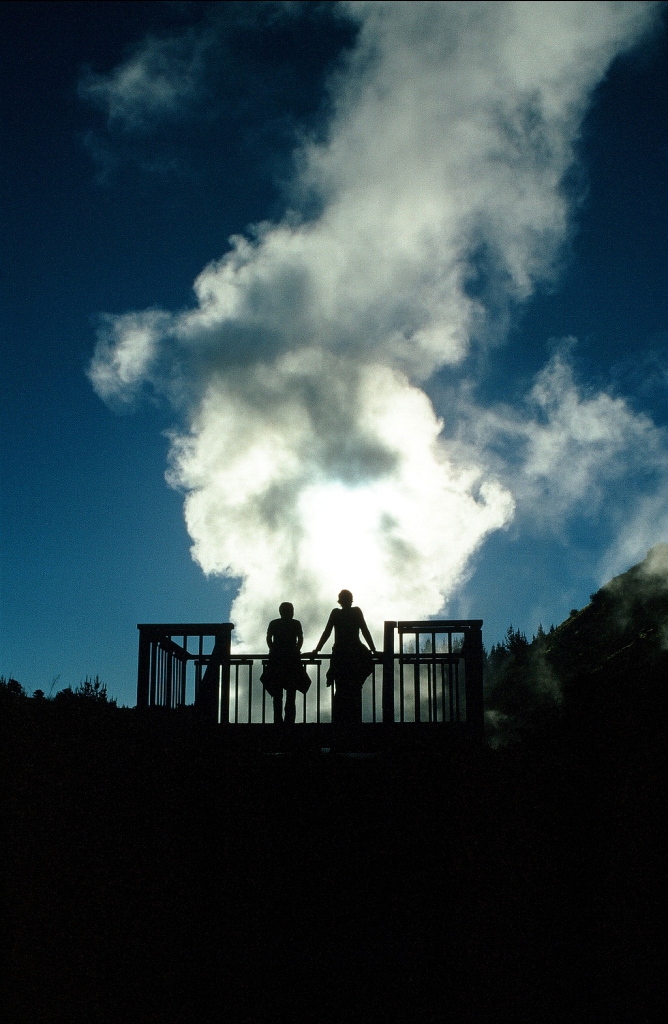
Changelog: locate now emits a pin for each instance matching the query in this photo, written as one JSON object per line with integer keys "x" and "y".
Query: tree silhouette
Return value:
{"x": 521, "y": 691}
{"x": 92, "y": 692}
{"x": 11, "y": 688}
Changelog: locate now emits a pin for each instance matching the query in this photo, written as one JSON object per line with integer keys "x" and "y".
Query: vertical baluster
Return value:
{"x": 434, "y": 677}
{"x": 198, "y": 665}
{"x": 250, "y": 691}
{"x": 264, "y": 700}
{"x": 166, "y": 679}
{"x": 236, "y": 694}
{"x": 443, "y": 714}
{"x": 401, "y": 678}
{"x": 428, "y": 667}
{"x": 182, "y": 676}
{"x": 154, "y": 653}
{"x": 317, "y": 693}
{"x": 457, "y": 690}
{"x": 450, "y": 693}
{"x": 388, "y": 672}
{"x": 169, "y": 658}
{"x": 416, "y": 679}
{"x": 184, "y": 672}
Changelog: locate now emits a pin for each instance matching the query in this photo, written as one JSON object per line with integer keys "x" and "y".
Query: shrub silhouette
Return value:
{"x": 10, "y": 688}
{"x": 90, "y": 692}
{"x": 92, "y": 689}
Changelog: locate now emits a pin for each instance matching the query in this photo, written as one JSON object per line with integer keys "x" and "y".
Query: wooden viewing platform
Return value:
{"x": 429, "y": 684}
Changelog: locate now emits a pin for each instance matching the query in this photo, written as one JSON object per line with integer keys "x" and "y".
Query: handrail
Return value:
{"x": 444, "y": 688}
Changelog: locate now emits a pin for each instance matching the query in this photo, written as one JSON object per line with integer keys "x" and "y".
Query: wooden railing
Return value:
{"x": 435, "y": 676}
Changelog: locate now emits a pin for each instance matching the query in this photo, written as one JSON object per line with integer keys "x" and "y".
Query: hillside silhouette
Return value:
{"x": 152, "y": 875}
{"x": 602, "y": 672}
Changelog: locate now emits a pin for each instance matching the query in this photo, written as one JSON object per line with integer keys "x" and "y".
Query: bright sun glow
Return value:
{"x": 341, "y": 528}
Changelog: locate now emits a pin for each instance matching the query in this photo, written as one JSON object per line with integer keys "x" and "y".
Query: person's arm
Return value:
{"x": 270, "y": 635}
{"x": 299, "y": 635}
{"x": 365, "y": 631}
{"x": 326, "y": 635}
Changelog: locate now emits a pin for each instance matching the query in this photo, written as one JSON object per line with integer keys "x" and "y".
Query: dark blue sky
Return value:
{"x": 104, "y": 216}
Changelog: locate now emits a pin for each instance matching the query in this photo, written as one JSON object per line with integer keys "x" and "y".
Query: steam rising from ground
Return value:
{"x": 310, "y": 474}
{"x": 313, "y": 460}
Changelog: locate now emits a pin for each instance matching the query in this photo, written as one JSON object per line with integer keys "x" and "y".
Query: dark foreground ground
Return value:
{"x": 154, "y": 877}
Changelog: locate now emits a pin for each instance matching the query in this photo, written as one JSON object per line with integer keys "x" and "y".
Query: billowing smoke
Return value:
{"x": 313, "y": 458}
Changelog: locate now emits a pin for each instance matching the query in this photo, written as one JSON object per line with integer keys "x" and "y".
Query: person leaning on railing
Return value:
{"x": 351, "y": 662}
{"x": 284, "y": 669}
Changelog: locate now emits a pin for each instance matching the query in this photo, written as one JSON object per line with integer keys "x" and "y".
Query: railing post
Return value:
{"x": 225, "y": 640}
{"x": 473, "y": 662}
{"x": 168, "y": 678}
{"x": 388, "y": 672}
{"x": 214, "y": 688}
{"x": 143, "y": 668}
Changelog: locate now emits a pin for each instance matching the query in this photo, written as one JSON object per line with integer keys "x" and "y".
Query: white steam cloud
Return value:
{"x": 313, "y": 459}
{"x": 562, "y": 448}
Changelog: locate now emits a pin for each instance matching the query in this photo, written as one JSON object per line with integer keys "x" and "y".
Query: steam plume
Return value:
{"x": 313, "y": 459}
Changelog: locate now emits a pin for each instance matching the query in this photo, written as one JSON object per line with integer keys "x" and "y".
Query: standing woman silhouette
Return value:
{"x": 284, "y": 669}
{"x": 351, "y": 661}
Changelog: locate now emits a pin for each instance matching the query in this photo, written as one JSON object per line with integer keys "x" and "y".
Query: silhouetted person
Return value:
{"x": 284, "y": 669}
{"x": 351, "y": 661}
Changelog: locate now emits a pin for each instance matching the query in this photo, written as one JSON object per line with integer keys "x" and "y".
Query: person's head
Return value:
{"x": 286, "y": 610}
{"x": 345, "y": 599}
